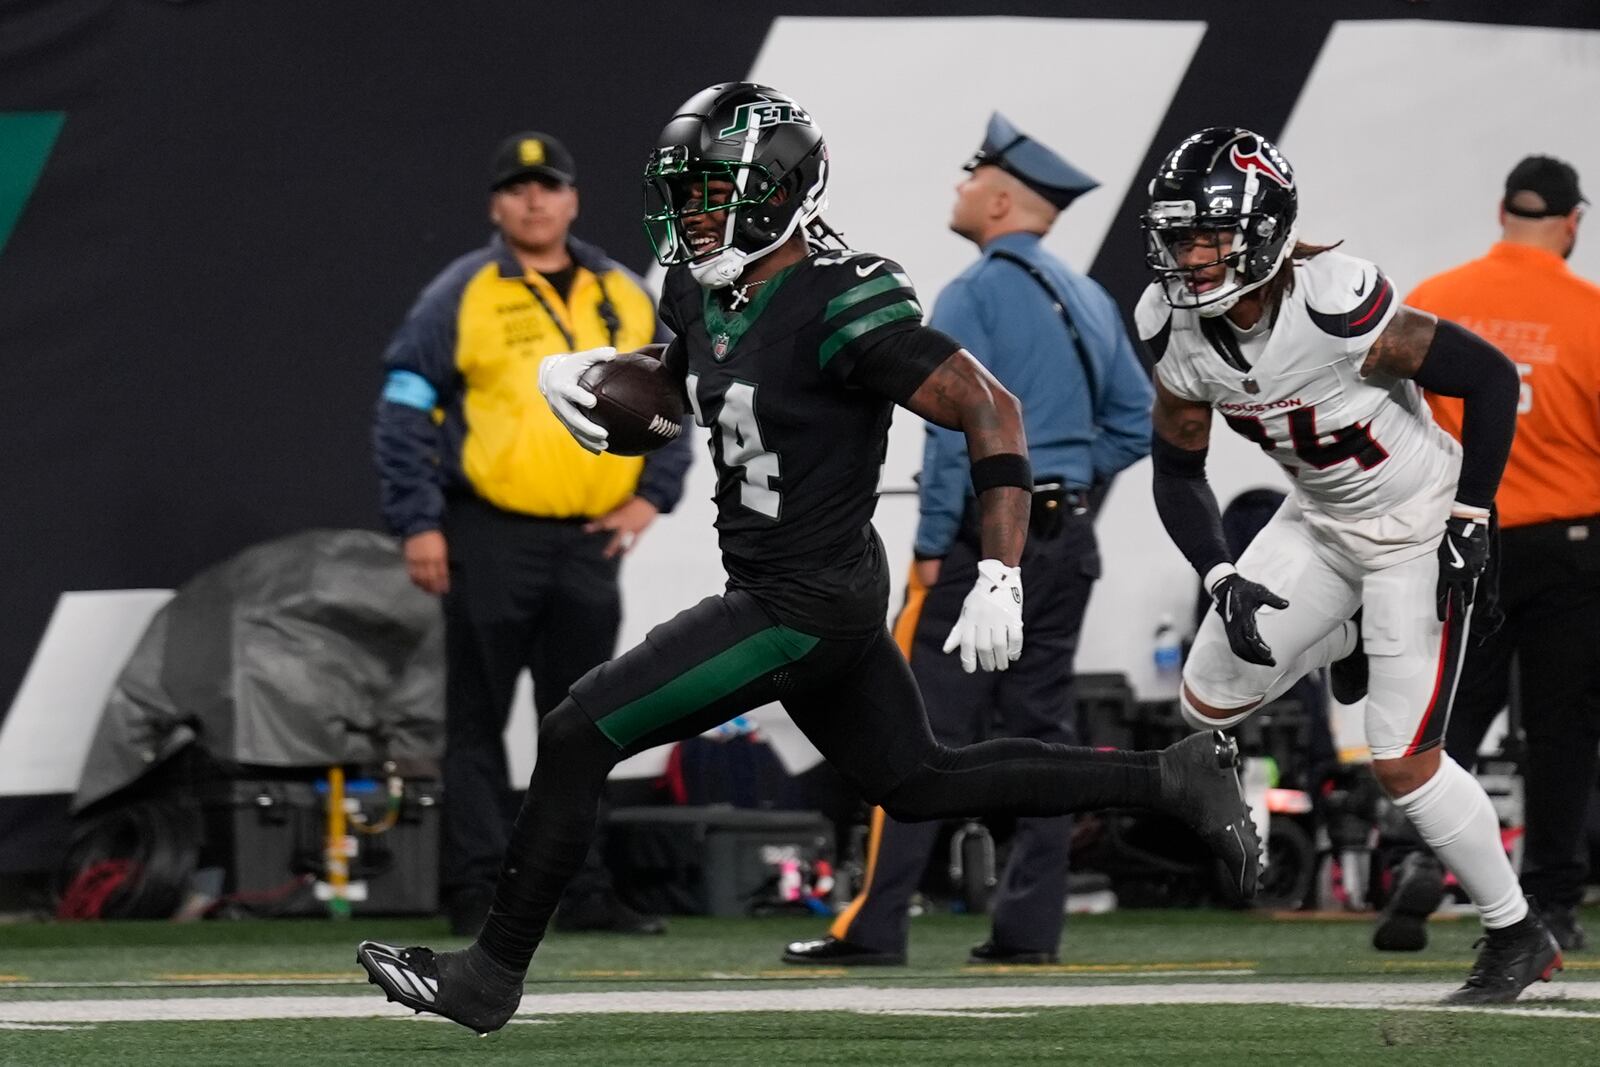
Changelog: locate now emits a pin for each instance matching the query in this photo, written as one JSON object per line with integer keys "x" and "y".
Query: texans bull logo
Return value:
{"x": 1254, "y": 160}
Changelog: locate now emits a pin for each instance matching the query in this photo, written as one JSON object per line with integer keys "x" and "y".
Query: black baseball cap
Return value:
{"x": 531, "y": 155}
{"x": 1555, "y": 182}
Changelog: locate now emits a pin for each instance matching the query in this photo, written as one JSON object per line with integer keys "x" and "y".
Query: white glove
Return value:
{"x": 989, "y": 632}
{"x": 558, "y": 381}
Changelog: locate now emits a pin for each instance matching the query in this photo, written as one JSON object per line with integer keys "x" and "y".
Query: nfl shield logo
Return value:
{"x": 719, "y": 346}
{"x": 1251, "y": 387}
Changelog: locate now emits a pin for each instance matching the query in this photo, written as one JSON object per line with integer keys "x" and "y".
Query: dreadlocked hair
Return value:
{"x": 820, "y": 233}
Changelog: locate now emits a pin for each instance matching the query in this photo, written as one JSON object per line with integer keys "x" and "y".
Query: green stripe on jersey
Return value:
{"x": 865, "y": 291}
{"x": 706, "y": 683}
{"x": 905, "y": 309}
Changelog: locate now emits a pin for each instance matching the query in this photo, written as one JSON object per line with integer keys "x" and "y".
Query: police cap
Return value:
{"x": 1031, "y": 163}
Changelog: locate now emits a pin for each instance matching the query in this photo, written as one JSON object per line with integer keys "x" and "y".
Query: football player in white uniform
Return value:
{"x": 1309, "y": 353}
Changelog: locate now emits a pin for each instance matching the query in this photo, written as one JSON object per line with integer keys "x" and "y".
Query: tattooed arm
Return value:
{"x": 1443, "y": 358}
{"x": 1402, "y": 346}
{"x": 1180, "y": 422}
{"x": 961, "y": 395}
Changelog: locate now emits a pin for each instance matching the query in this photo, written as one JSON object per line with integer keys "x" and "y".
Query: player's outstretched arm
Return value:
{"x": 1443, "y": 358}
{"x": 1188, "y": 509}
{"x": 961, "y": 395}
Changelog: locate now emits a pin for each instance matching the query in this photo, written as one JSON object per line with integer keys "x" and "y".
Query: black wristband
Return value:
{"x": 1004, "y": 469}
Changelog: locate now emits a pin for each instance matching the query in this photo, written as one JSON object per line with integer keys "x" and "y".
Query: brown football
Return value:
{"x": 637, "y": 400}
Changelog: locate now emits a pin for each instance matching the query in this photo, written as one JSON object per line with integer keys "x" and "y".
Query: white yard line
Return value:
{"x": 788, "y": 999}
{"x": 792, "y": 974}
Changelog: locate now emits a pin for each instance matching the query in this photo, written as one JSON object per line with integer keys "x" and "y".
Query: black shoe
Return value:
{"x": 1509, "y": 961}
{"x": 1200, "y": 785}
{"x": 1564, "y": 926}
{"x": 605, "y": 913}
{"x": 467, "y": 910}
{"x": 991, "y": 953}
{"x": 466, "y": 987}
{"x": 832, "y": 952}
{"x": 1418, "y": 890}
{"x": 1347, "y": 677}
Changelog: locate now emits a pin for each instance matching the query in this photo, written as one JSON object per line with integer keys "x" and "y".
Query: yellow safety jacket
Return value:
{"x": 461, "y": 408}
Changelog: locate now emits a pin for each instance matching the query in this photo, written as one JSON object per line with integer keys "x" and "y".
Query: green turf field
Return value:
{"x": 713, "y": 991}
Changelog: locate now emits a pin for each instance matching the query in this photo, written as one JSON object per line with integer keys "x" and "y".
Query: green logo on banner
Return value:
{"x": 25, "y": 142}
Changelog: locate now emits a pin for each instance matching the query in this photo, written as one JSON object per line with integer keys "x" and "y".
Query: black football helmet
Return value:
{"x": 753, "y": 137}
{"x": 1229, "y": 180}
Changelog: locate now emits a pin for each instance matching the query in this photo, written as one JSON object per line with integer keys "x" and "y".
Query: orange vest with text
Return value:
{"x": 1527, "y": 302}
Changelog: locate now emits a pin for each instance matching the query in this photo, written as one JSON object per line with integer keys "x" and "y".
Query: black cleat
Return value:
{"x": 1418, "y": 891}
{"x": 834, "y": 952}
{"x": 1347, "y": 677}
{"x": 992, "y": 954}
{"x": 1509, "y": 961}
{"x": 465, "y": 987}
{"x": 1200, "y": 785}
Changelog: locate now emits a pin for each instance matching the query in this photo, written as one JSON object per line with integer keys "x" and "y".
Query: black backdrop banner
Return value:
{"x": 243, "y": 199}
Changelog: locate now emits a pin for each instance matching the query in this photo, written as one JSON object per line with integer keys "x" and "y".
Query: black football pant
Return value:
{"x": 854, "y": 698}
{"x": 1550, "y": 594}
{"x": 1033, "y": 698}
{"x": 525, "y": 593}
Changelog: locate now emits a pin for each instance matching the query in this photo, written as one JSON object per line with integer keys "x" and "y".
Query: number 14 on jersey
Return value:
{"x": 739, "y": 446}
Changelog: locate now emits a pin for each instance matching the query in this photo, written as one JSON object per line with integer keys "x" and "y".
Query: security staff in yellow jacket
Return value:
{"x": 501, "y": 512}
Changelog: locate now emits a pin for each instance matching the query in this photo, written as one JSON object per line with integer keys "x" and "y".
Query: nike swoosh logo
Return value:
{"x": 1227, "y": 609}
{"x": 1457, "y": 561}
{"x": 1361, "y": 288}
{"x": 862, "y": 272}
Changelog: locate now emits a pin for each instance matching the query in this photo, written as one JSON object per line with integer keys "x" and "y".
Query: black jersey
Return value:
{"x": 798, "y": 387}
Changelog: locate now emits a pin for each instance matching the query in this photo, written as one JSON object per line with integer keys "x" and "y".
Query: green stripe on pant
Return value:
{"x": 705, "y": 683}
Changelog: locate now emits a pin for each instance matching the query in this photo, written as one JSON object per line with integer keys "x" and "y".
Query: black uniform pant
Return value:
{"x": 1550, "y": 594}
{"x": 853, "y": 697}
{"x": 1033, "y": 698}
{"x": 525, "y": 593}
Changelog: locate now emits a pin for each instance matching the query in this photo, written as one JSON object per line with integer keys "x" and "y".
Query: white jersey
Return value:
{"x": 1355, "y": 447}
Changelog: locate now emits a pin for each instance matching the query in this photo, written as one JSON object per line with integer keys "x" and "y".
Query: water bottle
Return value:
{"x": 1167, "y": 651}
{"x": 789, "y": 879}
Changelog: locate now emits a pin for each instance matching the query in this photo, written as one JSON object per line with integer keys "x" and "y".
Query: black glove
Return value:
{"x": 1238, "y": 599}
{"x": 1462, "y": 556}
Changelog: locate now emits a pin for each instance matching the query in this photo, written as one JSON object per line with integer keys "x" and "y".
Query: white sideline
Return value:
{"x": 1424, "y": 995}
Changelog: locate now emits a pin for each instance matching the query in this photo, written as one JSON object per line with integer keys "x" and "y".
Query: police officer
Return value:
{"x": 1056, "y": 340}
{"x": 500, "y": 511}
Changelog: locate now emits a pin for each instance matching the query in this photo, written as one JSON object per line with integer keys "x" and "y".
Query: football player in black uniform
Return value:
{"x": 793, "y": 354}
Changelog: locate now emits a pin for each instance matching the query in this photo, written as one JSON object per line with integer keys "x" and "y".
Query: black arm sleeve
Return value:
{"x": 1460, "y": 363}
{"x": 1187, "y": 506}
{"x": 899, "y": 361}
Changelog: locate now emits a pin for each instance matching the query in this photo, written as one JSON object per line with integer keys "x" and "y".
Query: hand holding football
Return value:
{"x": 637, "y": 400}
